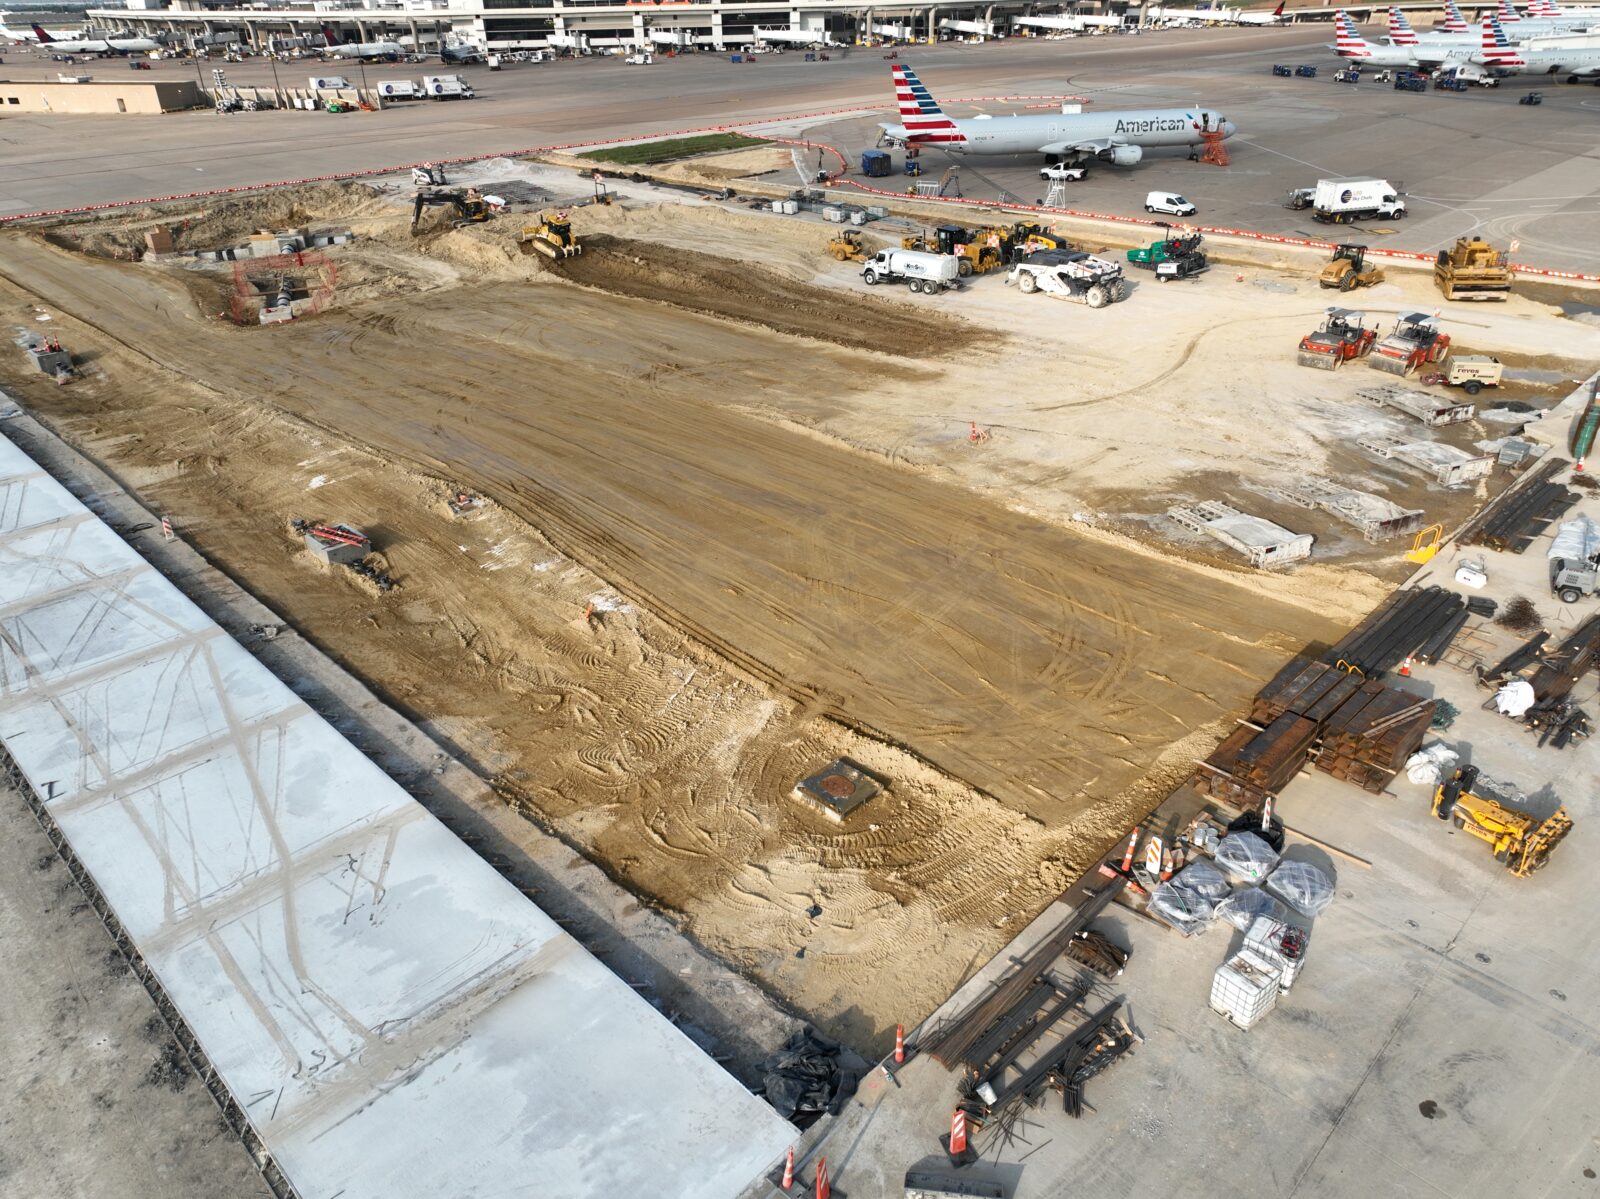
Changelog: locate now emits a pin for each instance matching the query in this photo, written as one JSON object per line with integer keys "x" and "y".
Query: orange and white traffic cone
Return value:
{"x": 788, "y": 1170}
{"x": 1266, "y": 814}
{"x": 899, "y": 1044}
{"x": 1578, "y": 469}
{"x": 958, "y": 1132}
{"x": 1405, "y": 668}
{"x": 823, "y": 1188}
{"x": 1133, "y": 843}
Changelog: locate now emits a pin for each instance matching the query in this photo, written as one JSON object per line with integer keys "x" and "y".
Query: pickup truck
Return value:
{"x": 1060, "y": 172}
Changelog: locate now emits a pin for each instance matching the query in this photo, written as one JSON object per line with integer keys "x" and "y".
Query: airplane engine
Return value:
{"x": 1124, "y": 156}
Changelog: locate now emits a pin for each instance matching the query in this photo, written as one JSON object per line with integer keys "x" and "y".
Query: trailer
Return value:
{"x": 1264, "y": 543}
{"x": 1444, "y": 464}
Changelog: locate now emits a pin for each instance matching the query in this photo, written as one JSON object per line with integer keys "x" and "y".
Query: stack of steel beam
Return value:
{"x": 1404, "y": 625}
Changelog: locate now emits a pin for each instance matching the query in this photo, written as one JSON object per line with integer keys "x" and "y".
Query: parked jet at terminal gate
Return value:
{"x": 1115, "y": 137}
{"x": 112, "y": 45}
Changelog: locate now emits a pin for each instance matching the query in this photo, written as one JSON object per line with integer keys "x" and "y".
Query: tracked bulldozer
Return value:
{"x": 552, "y": 236}
{"x": 470, "y": 208}
{"x": 1348, "y": 269}
{"x": 1520, "y": 842}
{"x": 1472, "y": 270}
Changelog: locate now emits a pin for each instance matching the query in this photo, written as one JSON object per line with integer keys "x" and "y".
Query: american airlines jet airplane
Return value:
{"x": 1120, "y": 138}
{"x": 1498, "y": 54}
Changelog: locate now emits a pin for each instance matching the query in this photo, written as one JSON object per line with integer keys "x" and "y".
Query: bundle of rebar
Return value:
{"x": 1519, "y": 514}
{"x": 951, "y": 1042}
{"x": 1398, "y": 629}
{"x": 1558, "y": 723}
{"x": 1563, "y": 666}
{"x": 1472, "y": 532}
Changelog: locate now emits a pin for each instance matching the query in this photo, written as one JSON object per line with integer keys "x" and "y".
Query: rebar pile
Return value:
{"x": 1407, "y": 624}
{"x": 1519, "y": 515}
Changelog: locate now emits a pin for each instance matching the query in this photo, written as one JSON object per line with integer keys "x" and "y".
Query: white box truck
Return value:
{"x": 921, "y": 271}
{"x": 399, "y": 89}
{"x": 446, "y": 87}
{"x": 329, "y": 83}
{"x": 1338, "y": 201}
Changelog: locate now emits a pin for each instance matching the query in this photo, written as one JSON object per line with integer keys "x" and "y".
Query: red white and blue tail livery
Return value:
{"x": 924, "y": 121}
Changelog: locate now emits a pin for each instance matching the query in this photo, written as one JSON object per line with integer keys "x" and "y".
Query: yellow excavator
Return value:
{"x": 552, "y": 236}
{"x": 1521, "y": 843}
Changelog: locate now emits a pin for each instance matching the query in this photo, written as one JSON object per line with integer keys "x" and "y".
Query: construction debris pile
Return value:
{"x": 1534, "y": 684}
{"x": 804, "y": 1079}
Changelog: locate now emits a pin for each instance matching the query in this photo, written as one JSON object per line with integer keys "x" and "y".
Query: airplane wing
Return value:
{"x": 1088, "y": 145}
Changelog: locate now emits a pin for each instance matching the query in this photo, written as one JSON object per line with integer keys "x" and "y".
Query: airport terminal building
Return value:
{"x": 580, "y": 25}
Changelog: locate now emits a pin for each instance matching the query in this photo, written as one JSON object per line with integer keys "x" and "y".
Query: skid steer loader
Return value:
{"x": 552, "y": 237}
{"x": 1520, "y": 842}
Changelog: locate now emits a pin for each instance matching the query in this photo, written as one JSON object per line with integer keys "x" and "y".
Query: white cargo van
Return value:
{"x": 1170, "y": 202}
{"x": 923, "y": 272}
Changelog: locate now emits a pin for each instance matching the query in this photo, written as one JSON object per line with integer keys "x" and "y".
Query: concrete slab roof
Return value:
{"x": 395, "y": 1018}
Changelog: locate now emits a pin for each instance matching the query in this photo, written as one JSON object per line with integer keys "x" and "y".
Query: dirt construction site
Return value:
{"x": 737, "y": 516}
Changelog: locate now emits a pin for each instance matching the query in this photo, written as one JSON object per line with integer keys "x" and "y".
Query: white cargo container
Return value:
{"x": 1284, "y": 945}
{"x": 924, "y": 272}
{"x": 1337, "y": 201}
{"x": 399, "y": 89}
{"x": 446, "y": 87}
{"x": 329, "y": 83}
{"x": 1244, "y": 989}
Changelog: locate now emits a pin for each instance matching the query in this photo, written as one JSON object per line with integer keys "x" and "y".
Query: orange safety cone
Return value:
{"x": 1133, "y": 842}
{"x": 1578, "y": 469}
{"x": 899, "y": 1044}
{"x": 788, "y": 1170}
{"x": 1266, "y": 814}
{"x": 1166, "y": 864}
{"x": 823, "y": 1187}
{"x": 958, "y": 1132}
{"x": 1405, "y": 668}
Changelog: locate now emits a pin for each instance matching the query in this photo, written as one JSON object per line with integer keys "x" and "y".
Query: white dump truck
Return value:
{"x": 1339, "y": 201}
{"x": 446, "y": 87}
{"x": 922, "y": 272}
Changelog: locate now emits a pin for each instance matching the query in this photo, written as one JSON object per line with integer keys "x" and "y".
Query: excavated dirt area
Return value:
{"x": 703, "y": 571}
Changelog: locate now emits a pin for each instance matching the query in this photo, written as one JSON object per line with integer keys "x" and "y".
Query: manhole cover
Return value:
{"x": 838, "y": 785}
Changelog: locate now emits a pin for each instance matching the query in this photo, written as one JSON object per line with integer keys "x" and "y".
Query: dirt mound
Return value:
{"x": 747, "y": 293}
{"x": 213, "y": 224}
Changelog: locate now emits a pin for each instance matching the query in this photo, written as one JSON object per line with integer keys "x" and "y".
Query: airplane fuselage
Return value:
{"x": 1033, "y": 134}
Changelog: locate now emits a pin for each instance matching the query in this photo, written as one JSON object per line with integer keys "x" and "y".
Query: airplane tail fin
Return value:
{"x": 1508, "y": 12}
{"x": 327, "y": 35}
{"x": 1400, "y": 31}
{"x": 1278, "y": 12}
{"x": 1454, "y": 22}
{"x": 1497, "y": 51}
{"x": 920, "y": 113}
{"x": 44, "y": 38}
{"x": 1347, "y": 43}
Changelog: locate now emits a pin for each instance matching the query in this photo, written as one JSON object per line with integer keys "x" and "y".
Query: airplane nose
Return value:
{"x": 1227, "y": 129}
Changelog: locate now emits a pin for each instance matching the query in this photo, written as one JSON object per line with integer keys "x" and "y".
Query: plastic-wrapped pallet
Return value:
{"x": 1203, "y": 879}
{"x": 1186, "y": 910}
{"x": 1302, "y": 886}
{"x": 1280, "y": 943}
{"x": 1245, "y": 858}
{"x": 1244, "y": 988}
{"x": 1242, "y": 907}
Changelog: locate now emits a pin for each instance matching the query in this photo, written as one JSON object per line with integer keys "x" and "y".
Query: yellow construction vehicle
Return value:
{"x": 1522, "y": 843}
{"x": 978, "y": 250}
{"x": 1348, "y": 269}
{"x": 552, "y": 237}
{"x": 847, "y": 247}
{"x": 1472, "y": 270}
